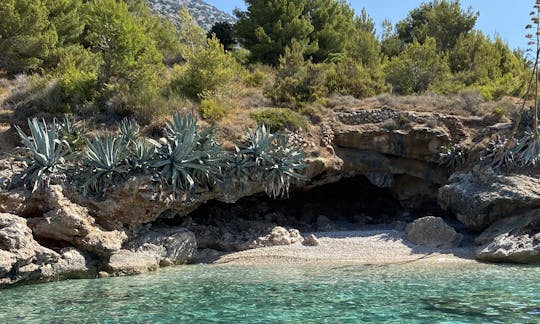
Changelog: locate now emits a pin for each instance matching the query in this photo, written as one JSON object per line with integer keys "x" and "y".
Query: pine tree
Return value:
{"x": 267, "y": 27}
{"x": 130, "y": 59}
{"x": 444, "y": 20}
{"x": 26, "y": 35}
{"x": 334, "y": 27}
{"x": 192, "y": 36}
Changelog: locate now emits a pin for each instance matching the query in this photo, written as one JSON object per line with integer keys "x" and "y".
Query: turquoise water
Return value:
{"x": 287, "y": 294}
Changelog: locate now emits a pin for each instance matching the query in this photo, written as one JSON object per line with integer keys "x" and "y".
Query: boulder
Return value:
{"x": 311, "y": 240}
{"x": 175, "y": 245}
{"x": 433, "y": 232}
{"x": 481, "y": 197}
{"x": 74, "y": 264}
{"x": 21, "y": 257}
{"x": 278, "y": 236}
{"x": 128, "y": 262}
{"x": 72, "y": 223}
{"x": 151, "y": 249}
{"x": 513, "y": 239}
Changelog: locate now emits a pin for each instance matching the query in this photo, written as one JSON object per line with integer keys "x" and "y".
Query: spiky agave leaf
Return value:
{"x": 144, "y": 152}
{"x": 181, "y": 124}
{"x": 182, "y": 164}
{"x": 452, "y": 156}
{"x": 258, "y": 144}
{"x": 285, "y": 164}
{"x": 106, "y": 158}
{"x": 130, "y": 130}
{"x": 47, "y": 153}
{"x": 71, "y": 131}
{"x": 499, "y": 153}
{"x": 240, "y": 168}
{"x": 527, "y": 150}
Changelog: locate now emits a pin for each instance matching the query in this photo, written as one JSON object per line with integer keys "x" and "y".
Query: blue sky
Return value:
{"x": 504, "y": 17}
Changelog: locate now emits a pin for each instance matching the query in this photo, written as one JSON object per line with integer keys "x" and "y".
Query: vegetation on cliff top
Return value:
{"x": 114, "y": 58}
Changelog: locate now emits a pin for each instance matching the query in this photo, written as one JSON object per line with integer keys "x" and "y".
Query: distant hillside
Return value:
{"x": 207, "y": 15}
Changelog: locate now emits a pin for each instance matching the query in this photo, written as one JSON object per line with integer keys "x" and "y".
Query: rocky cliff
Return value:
{"x": 129, "y": 231}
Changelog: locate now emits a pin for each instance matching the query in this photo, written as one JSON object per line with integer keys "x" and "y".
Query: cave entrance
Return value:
{"x": 349, "y": 201}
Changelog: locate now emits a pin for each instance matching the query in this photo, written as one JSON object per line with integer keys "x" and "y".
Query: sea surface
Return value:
{"x": 472, "y": 293}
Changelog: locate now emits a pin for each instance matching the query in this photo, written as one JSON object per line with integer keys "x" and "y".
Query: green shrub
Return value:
{"x": 348, "y": 77}
{"x": 258, "y": 77}
{"x": 297, "y": 81}
{"x": 78, "y": 86}
{"x": 280, "y": 118}
{"x": 205, "y": 71}
{"x": 212, "y": 109}
{"x": 416, "y": 68}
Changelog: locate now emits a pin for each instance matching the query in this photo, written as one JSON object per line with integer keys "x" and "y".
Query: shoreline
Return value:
{"x": 359, "y": 247}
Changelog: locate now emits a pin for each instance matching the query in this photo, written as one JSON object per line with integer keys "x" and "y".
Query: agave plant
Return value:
{"x": 178, "y": 160}
{"x": 268, "y": 158}
{"x": 499, "y": 153}
{"x": 72, "y": 132}
{"x": 106, "y": 158}
{"x": 130, "y": 130}
{"x": 188, "y": 157}
{"x": 286, "y": 162}
{"x": 258, "y": 144}
{"x": 47, "y": 152}
{"x": 452, "y": 156}
{"x": 527, "y": 150}
{"x": 240, "y": 168}
{"x": 143, "y": 153}
{"x": 181, "y": 124}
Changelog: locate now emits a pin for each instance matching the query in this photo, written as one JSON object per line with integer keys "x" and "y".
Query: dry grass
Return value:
{"x": 462, "y": 104}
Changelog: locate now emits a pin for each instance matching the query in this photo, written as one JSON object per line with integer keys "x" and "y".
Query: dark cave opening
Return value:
{"x": 349, "y": 201}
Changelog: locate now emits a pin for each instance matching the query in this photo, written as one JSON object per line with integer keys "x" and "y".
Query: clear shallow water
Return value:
{"x": 287, "y": 294}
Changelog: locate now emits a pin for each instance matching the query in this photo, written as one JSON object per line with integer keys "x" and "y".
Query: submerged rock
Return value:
{"x": 513, "y": 239}
{"x": 433, "y": 232}
{"x": 481, "y": 197}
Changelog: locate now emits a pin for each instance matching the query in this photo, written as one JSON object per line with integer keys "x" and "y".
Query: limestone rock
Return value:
{"x": 311, "y": 240}
{"x": 21, "y": 257}
{"x": 433, "y": 232}
{"x": 481, "y": 197}
{"x": 72, "y": 223}
{"x": 151, "y": 249}
{"x": 279, "y": 236}
{"x": 174, "y": 245}
{"x": 128, "y": 262}
{"x": 74, "y": 264}
{"x": 513, "y": 239}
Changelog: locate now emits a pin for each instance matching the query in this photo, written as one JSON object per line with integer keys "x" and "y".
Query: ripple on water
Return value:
{"x": 412, "y": 294}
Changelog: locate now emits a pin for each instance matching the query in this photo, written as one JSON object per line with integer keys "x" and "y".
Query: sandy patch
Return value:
{"x": 352, "y": 247}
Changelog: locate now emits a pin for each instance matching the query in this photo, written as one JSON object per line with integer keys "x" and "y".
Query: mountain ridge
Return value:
{"x": 205, "y": 14}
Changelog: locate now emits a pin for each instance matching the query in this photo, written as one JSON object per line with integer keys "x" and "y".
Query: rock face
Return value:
{"x": 72, "y": 223}
{"x": 433, "y": 232}
{"x": 21, "y": 257}
{"x": 481, "y": 197}
{"x": 152, "y": 249}
{"x": 513, "y": 239}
